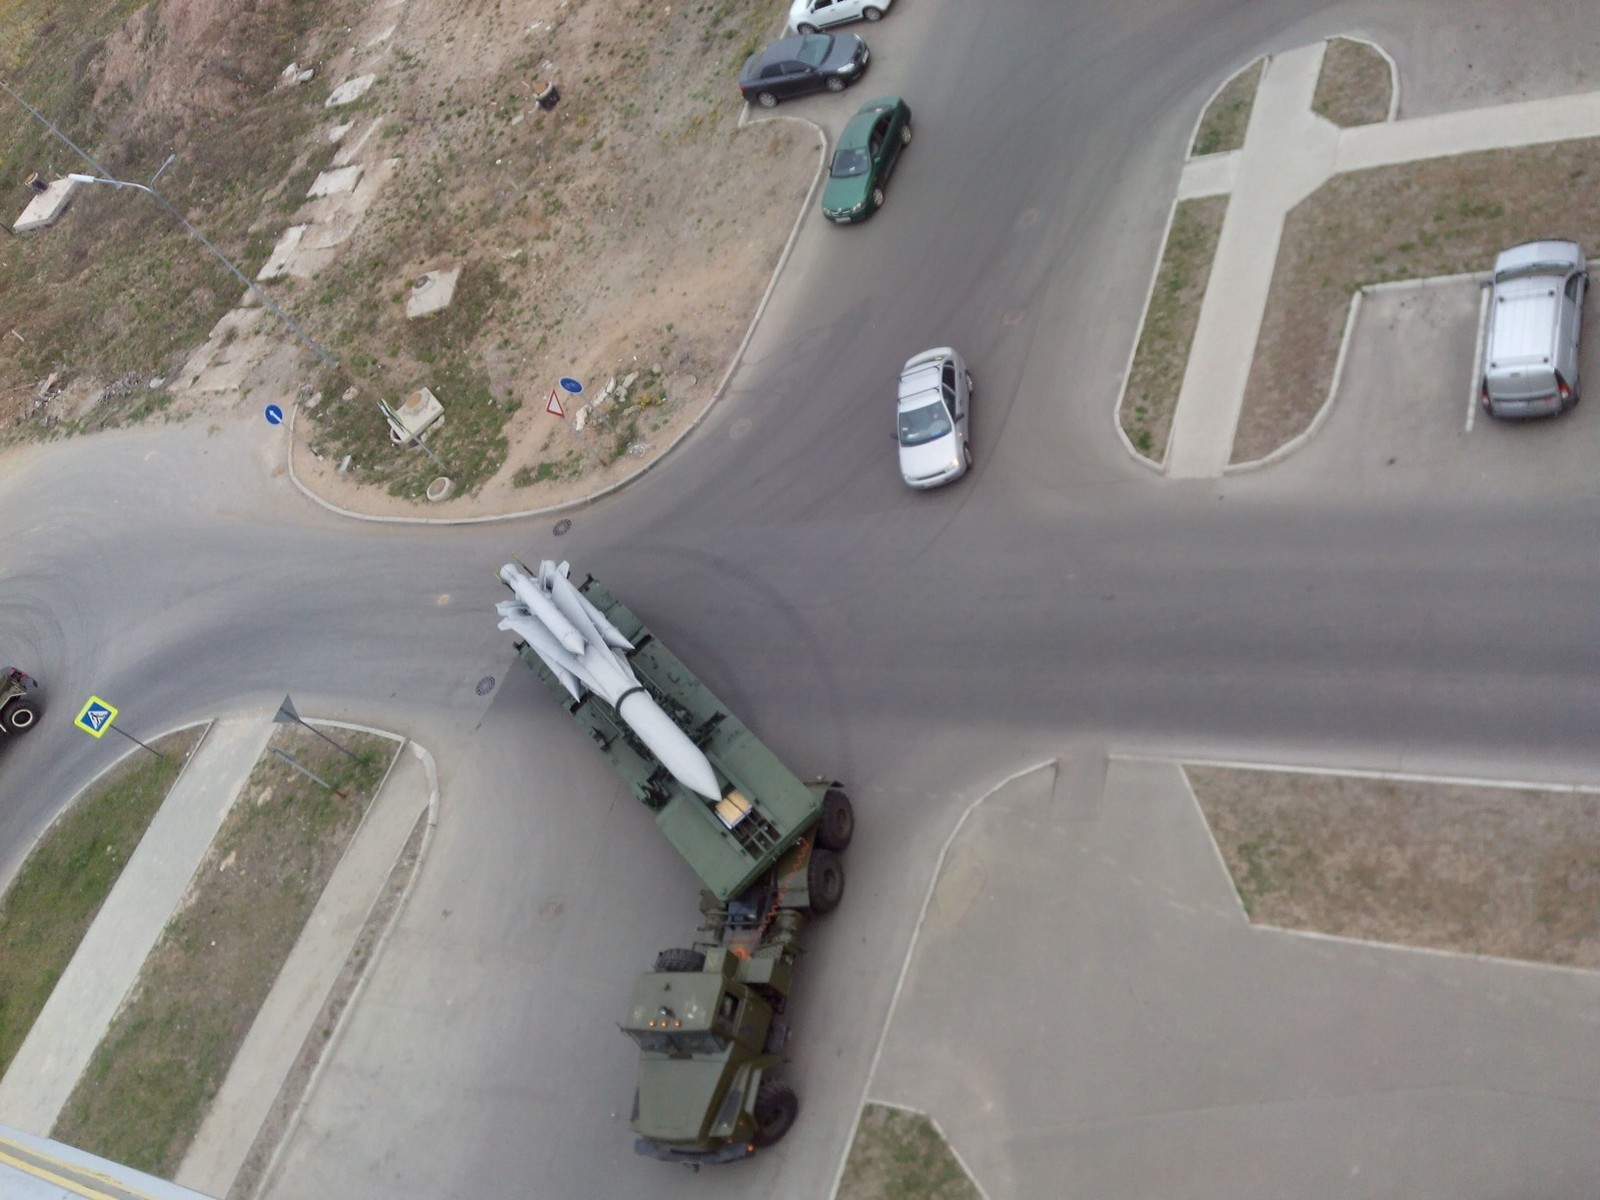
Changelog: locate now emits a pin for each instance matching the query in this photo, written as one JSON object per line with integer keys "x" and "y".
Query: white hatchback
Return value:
{"x": 933, "y": 418}
{"x": 808, "y": 16}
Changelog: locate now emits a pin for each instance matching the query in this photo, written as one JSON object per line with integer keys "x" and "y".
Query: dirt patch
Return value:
{"x": 146, "y": 1089}
{"x": 901, "y": 1155}
{"x": 1155, "y": 378}
{"x": 1222, "y": 127}
{"x": 1411, "y": 221}
{"x": 1513, "y": 873}
{"x": 1355, "y": 85}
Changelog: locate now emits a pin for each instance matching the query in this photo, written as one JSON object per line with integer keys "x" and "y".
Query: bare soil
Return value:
{"x": 1512, "y": 873}
{"x": 1355, "y": 85}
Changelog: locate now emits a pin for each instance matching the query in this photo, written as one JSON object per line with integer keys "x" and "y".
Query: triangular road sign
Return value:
{"x": 553, "y": 405}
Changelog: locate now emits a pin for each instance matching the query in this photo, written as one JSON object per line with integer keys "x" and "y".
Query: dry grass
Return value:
{"x": 67, "y": 877}
{"x": 900, "y": 1155}
{"x": 1411, "y": 221}
{"x": 1355, "y": 85}
{"x": 1156, "y": 375}
{"x": 1479, "y": 870}
{"x": 147, "y": 1088}
{"x": 1222, "y": 127}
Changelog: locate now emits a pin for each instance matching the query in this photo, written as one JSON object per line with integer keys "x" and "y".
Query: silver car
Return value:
{"x": 934, "y": 410}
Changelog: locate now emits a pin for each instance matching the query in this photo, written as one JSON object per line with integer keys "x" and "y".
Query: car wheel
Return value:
{"x": 877, "y": 198}
{"x": 20, "y": 716}
{"x": 806, "y": 29}
{"x": 834, "y": 84}
{"x": 871, "y": 14}
{"x": 972, "y": 388}
{"x": 905, "y": 134}
{"x": 766, "y": 100}
{"x": 966, "y": 456}
{"x": 776, "y": 1108}
{"x": 837, "y": 824}
{"x": 824, "y": 880}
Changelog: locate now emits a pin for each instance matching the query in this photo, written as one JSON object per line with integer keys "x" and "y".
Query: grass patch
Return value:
{"x": 1156, "y": 375}
{"x": 148, "y": 1086}
{"x": 1355, "y": 84}
{"x": 1222, "y": 127}
{"x": 54, "y": 898}
{"x": 1440, "y": 216}
{"x": 1508, "y": 872}
{"x": 901, "y": 1155}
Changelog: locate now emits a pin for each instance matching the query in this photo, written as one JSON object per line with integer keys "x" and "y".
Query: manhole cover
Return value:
{"x": 486, "y": 685}
{"x": 562, "y": 526}
{"x": 422, "y": 282}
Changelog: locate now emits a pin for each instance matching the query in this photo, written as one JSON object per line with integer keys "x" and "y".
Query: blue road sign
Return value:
{"x": 571, "y": 384}
{"x": 96, "y": 717}
{"x": 274, "y": 415}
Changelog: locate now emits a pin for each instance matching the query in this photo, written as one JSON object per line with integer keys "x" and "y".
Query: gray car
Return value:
{"x": 1530, "y": 349}
{"x": 933, "y": 418}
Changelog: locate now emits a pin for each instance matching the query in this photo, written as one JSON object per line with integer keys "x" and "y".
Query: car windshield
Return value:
{"x": 1533, "y": 270}
{"x": 850, "y": 162}
{"x": 654, "y": 1042}
{"x": 925, "y": 424}
{"x": 814, "y": 49}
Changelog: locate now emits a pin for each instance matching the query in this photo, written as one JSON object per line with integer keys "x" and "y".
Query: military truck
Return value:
{"x": 19, "y": 701}
{"x": 708, "y": 1018}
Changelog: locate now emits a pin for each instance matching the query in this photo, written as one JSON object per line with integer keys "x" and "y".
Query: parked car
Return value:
{"x": 19, "y": 700}
{"x": 795, "y": 66}
{"x": 1530, "y": 349}
{"x": 869, "y": 147}
{"x": 808, "y": 16}
{"x": 933, "y": 418}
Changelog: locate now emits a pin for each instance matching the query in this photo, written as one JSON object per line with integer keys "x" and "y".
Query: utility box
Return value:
{"x": 46, "y": 207}
{"x": 420, "y": 412}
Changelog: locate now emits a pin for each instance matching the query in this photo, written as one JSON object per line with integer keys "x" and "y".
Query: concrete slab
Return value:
{"x": 351, "y": 150}
{"x": 277, "y": 263}
{"x": 1213, "y": 175}
{"x": 432, "y": 292}
{"x": 329, "y": 183}
{"x": 350, "y": 91}
{"x": 285, "y": 1021}
{"x": 1531, "y": 122}
{"x": 112, "y": 953}
{"x": 46, "y": 207}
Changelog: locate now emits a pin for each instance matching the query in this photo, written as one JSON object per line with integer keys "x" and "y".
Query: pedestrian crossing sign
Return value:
{"x": 96, "y": 717}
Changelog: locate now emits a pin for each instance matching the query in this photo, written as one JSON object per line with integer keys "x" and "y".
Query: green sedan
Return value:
{"x": 869, "y": 148}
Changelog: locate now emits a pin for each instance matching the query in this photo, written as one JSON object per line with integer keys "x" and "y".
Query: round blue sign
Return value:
{"x": 274, "y": 415}
{"x": 572, "y": 385}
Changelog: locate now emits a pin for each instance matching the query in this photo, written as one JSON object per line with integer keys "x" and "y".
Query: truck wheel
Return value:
{"x": 21, "y": 715}
{"x": 680, "y": 961}
{"x": 825, "y": 881}
{"x": 838, "y": 822}
{"x": 776, "y": 1108}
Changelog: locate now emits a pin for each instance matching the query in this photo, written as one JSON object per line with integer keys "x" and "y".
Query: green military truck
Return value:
{"x": 19, "y": 701}
{"x": 708, "y": 1018}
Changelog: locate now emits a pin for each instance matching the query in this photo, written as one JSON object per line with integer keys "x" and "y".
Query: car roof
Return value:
{"x": 1531, "y": 253}
{"x": 920, "y": 386}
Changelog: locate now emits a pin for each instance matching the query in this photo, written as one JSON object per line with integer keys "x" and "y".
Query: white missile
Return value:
{"x": 580, "y": 646}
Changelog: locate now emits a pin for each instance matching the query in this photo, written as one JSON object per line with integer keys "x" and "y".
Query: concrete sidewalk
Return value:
{"x": 1288, "y": 153}
{"x": 152, "y": 886}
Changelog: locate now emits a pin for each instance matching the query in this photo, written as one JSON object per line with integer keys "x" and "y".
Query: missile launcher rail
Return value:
{"x": 765, "y": 809}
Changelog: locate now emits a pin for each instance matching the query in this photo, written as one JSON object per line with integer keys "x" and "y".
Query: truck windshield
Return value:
{"x": 654, "y": 1042}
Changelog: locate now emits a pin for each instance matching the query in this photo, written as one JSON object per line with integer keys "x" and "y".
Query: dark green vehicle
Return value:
{"x": 706, "y": 1019}
{"x": 869, "y": 148}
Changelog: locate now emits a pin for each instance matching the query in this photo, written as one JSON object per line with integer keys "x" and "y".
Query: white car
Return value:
{"x": 933, "y": 418}
{"x": 808, "y": 16}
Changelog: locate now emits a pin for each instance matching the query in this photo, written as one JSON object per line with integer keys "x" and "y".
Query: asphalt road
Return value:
{"x": 921, "y": 647}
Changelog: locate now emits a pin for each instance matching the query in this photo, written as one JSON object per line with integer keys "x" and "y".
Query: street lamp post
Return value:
{"x": 327, "y": 359}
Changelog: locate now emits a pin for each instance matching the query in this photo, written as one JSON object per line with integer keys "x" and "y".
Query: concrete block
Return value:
{"x": 419, "y": 410}
{"x": 340, "y": 179}
{"x": 46, "y": 207}
{"x": 288, "y": 243}
{"x": 350, "y": 91}
{"x": 432, "y": 292}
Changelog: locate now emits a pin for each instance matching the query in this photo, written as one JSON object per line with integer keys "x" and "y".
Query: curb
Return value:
{"x": 716, "y": 396}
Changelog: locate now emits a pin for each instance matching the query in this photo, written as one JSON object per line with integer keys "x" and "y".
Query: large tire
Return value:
{"x": 776, "y": 1108}
{"x": 837, "y": 825}
{"x": 824, "y": 880}
{"x": 680, "y": 960}
{"x": 834, "y": 84}
{"x": 23, "y": 714}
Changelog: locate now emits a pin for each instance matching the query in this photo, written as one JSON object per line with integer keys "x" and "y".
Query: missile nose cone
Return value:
{"x": 669, "y": 744}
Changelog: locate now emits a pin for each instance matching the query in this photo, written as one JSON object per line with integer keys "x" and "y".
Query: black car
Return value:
{"x": 797, "y": 65}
